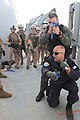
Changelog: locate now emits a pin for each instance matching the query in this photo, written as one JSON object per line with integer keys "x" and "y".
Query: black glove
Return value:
{"x": 3, "y": 53}
{"x": 14, "y": 46}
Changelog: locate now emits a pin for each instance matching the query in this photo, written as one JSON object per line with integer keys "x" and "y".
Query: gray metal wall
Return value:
{"x": 74, "y": 21}
{"x": 7, "y": 18}
{"x": 74, "y": 25}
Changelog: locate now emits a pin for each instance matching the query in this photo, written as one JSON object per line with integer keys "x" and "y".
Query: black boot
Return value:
{"x": 40, "y": 96}
{"x": 27, "y": 67}
{"x": 34, "y": 66}
{"x": 69, "y": 112}
{"x": 22, "y": 62}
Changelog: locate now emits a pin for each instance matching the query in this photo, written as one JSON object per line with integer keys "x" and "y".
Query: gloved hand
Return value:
{"x": 3, "y": 53}
{"x": 53, "y": 75}
{"x": 63, "y": 64}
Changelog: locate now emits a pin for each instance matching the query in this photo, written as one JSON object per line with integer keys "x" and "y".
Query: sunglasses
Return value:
{"x": 56, "y": 53}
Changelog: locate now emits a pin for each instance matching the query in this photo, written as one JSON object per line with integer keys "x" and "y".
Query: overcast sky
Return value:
{"x": 28, "y": 9}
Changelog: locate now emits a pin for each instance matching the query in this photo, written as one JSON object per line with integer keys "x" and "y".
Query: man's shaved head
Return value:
{"x": 59, "y": 48}
{"x": 59, "y": 53}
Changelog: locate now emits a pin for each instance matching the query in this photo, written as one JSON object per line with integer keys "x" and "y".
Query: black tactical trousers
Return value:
{"x": 44, "y": 83}
{"x": 21, "y": 54}
{"x": 55, "y": 89}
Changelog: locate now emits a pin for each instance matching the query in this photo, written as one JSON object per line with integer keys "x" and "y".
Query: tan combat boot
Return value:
{"x": 2, "y": 76}
{"x": 16, "y": 67}
{"x": 4, "y": 94}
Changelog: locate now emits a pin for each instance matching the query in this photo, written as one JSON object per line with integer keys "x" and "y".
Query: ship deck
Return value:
{"x": 24, "y": 86}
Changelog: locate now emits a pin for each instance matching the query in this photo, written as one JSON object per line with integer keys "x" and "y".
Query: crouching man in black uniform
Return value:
{"x": 63, "y": 74}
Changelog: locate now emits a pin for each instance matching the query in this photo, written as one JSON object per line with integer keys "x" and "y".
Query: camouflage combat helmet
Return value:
{"x": 20, "y": 26}
{"x": 33, "y": 26}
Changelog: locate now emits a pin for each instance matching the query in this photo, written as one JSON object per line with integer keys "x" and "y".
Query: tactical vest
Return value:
{"x": 33, "y": 39}
{"x": 22, "y": 36}
{"x": 13, "y": 38}
{"x": 42, "y": 39}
